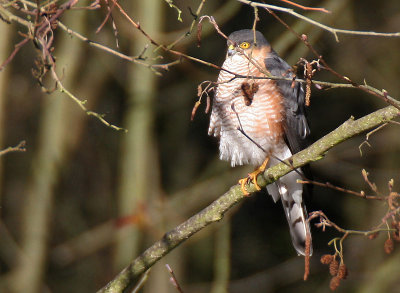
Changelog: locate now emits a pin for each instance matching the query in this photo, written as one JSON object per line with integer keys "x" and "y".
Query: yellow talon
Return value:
{"x": 253, "y": 177}
{"x": 242, "y": 183}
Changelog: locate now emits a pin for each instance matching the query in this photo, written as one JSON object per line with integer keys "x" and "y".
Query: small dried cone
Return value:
{"x": 335, "y": 282}
{"x": 373, "y": 236}
{"x": 389, "y": 245}
{"x": 342, "y": 273}
{"x": 326, "y": 259}
{"x": 333, "y": 267}
{"x": 307, "y": 257}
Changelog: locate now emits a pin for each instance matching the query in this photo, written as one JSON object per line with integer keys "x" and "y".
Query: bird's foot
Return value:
{"x": 252, "y": 177}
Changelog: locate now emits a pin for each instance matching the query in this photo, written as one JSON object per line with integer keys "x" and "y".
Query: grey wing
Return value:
{"x": 296, "y": 131}
{"x": 296, "y": 126}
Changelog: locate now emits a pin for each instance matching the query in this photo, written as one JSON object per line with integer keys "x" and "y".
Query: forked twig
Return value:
{"x": 20, "y": 147}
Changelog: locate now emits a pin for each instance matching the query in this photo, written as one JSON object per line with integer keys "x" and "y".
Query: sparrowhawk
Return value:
{"x": 260, "y": 121}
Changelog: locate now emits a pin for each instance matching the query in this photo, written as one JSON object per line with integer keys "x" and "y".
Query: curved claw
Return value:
{"x": 242, "y": 183}
{"x": 253, "y": 178}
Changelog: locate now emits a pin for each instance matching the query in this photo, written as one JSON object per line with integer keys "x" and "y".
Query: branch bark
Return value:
{"x": 216, "y": 210}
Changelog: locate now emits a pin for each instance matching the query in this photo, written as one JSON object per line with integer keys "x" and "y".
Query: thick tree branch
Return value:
{"x": 216, "y": 210}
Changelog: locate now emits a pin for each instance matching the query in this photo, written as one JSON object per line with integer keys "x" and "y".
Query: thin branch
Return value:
{"x": 173, "y": 279}
{"x": 325, "y": 222}
{"x": 141, "y": 282}
{"x": 14, "y": 52}
{"x": 82, "y": 103}
{"x": 306, "y": 7}
{"x": 341, "y": 189}
{"x": 334, "y": 31}
{"x": 172, "y": 5}
{"x": 100, "y": 46}
{"x": 18, "y": 148}
{"x": 108, "y": 15}
{"x": 366, "y": 141}
{"x": 195, "y": 16}
{"x": 216, "y": 210}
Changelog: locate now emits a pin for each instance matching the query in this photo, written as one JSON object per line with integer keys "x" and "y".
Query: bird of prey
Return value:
{"x": 261, "y": 121}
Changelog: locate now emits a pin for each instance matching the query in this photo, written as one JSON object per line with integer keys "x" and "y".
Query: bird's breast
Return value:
{"x": 253, "y": 105}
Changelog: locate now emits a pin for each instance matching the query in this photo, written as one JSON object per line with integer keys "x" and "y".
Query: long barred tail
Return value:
{"x": 291, "y": 194}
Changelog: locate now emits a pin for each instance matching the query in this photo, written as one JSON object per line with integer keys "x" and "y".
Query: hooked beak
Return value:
{"x": 231, "y": 50}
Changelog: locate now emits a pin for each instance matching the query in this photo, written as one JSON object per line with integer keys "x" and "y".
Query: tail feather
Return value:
{"x": 291, "y": 194}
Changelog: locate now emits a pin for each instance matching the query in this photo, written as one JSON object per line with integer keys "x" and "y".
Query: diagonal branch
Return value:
{"x": 18, "y": 148}
{"x": 216, "y": 210}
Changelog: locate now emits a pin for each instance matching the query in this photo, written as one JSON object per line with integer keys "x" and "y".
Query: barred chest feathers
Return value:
{"x": 255, "y": 104}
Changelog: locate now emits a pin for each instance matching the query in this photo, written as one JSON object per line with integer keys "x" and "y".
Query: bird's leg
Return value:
{"x": 253, "y": 177}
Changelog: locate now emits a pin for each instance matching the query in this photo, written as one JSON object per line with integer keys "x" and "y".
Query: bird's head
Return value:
{"x": 245, "y": 41}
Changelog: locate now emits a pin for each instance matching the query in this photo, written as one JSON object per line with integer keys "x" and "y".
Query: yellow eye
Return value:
{"x": 244, "y": 45}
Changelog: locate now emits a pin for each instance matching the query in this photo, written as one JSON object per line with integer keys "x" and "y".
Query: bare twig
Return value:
{"x": 373, "y": 186}
{"x": 141, "y": 282}
{"x": 306, "y": 7}
{"x": 103, "y": 47}
{"x": 366, "y": 141}
{"x": 195, "y": 16}
{"x": 332, "y": 30}
{"x": 18, "y": 148}
{"x": 107, "y": 17}
{"x": 325, "y": 222}
{"x": 172, "y": 5}
{"x": 82, "y": 103}
{"x": 13, "y": 53}
{"x": 213, "y": 22}
{"x": 173, "y": 279}
{"x": 341, "y": 189}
